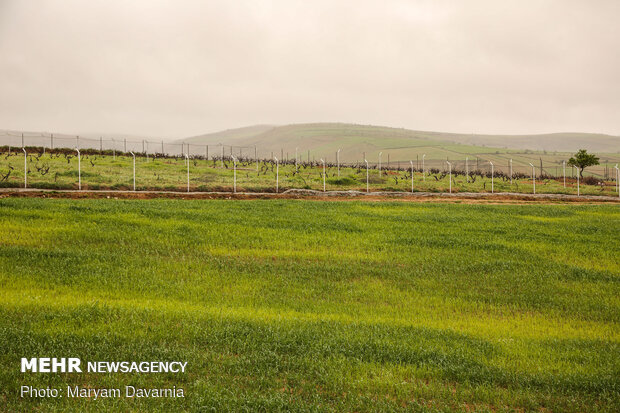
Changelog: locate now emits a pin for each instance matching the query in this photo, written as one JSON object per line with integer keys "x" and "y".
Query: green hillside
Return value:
{"x": 230, "y": 136}
{"x": 571, "y": 142}
{"x": 322, "y": 140}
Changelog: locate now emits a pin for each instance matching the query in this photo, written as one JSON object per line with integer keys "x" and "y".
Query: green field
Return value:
{"x": 315, "y": 306}
{"x": 60, "y": 171}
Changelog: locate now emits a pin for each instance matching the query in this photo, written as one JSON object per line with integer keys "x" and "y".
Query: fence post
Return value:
{"x": 25, "y": 167}
{"x": 125, "y": 145}
{"x": 533, "y": 178}
{"x": 411, "y": 162}
{"x": 367, "y": 186}
{"x": 187, "y": 160}
{"x": 617, "y": 179}
{"x": 222, "y": 160}
{"x": 256, "y": 157}
{"x": 162, "y": 147}
{"x": 466, "y": 169}
{"x": 323, "y": 174}
{"x": 134, "y": 170}
{"x": 450, "y": 176}
{"x": 79, "y": 170}
{"x": 492, "y": 173}
{"x": 423, "y": 170}
{"x": 277, "y": 175}
{"x": 234, "y": 174}
{"x": 510, "y": 171}
{"x": 380, "y": 164}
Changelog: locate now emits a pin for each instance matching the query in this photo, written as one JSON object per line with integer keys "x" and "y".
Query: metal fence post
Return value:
{"x": 187, "y": 160}
{"x": 367, "y": 185}
{"x": 134, "y": 170}
{"x": 25, "y": 167}
{"x": 323, "y": 174}
{"x": 617, "y": 179}
{"x": 79, "y": 170}
{"x": 450, "y": 176}
{"x": 277, "y": 175}
{"x": 533, "y": 178}
{"x": 234, "y": 174}
{"x": 467, "y": 169}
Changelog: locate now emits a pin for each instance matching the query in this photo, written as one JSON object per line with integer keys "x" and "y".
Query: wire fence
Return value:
{"x": 477, "y": 163}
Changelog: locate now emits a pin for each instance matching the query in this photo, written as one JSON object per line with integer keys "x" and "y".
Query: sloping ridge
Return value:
{"x": 229, "y": 136}
{"x": 313, "y": 136}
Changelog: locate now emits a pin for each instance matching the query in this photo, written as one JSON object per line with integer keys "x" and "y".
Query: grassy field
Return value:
{"x": 322, "y": 306}
{"x": 60, "y": 171}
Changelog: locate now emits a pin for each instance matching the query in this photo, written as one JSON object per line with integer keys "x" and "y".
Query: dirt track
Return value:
{"x": 464, "y": 197}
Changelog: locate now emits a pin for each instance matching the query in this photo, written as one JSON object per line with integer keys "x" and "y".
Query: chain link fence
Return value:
{"x": 472, "y": 164}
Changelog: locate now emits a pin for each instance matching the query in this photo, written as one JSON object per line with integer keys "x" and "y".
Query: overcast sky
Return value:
{"x": 180, "y": 68}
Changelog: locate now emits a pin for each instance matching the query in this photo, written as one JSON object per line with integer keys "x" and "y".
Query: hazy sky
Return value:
{"x": 180, "y": 68}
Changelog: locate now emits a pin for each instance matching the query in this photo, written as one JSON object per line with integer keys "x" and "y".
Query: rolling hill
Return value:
{"x": 358, "y": 141}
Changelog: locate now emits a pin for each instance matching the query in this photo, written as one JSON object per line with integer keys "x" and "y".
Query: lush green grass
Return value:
{"x": 60, "y": 171}
{"x": 307, "y": 305}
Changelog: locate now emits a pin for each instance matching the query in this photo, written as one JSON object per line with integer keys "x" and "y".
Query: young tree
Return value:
{"x": 582, "y": 159}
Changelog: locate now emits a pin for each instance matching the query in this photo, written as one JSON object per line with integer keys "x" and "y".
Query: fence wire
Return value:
{"x": 473, "y": 164}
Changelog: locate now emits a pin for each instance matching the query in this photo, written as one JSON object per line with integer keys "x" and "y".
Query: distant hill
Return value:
{"x": 566, "y": 141}
{"x": 229, "y": 136}
{"x": 357, "y": 141}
